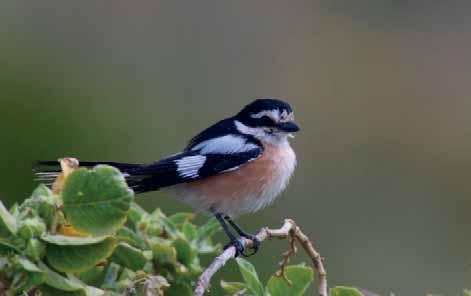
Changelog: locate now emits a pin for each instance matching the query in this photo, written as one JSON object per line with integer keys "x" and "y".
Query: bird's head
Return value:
{"x": 268, "y": 120}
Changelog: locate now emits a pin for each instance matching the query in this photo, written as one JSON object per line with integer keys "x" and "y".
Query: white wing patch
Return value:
{"x": 225, "y": 145}
{"x": 188, "y": 166}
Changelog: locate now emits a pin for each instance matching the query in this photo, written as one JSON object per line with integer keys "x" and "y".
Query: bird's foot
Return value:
{"x": 238, "y": 245}
{"x": 255, "y": 244}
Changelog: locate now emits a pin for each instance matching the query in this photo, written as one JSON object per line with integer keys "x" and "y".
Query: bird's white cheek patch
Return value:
{"x": 188, "y": 166}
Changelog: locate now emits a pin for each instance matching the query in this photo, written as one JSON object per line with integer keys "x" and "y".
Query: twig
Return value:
{"x": 288, "y": 230}
{"x": 55, "y": 219}
{"x": 286, "y": 256}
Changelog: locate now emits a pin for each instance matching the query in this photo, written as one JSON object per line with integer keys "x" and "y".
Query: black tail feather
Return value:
{"x": 141, "y": 178}
{"x": 47, "y": 171}
{"x": 56, "y": 165}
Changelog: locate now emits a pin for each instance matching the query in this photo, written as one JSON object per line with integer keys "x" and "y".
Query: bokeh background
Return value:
{"x": 382, "y": 90}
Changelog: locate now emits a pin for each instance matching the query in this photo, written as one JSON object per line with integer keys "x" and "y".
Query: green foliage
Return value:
{"x": 104, "y": 243}
{"x": 299, "y": 277}
{"x": 345, "y": 291}
{"x": 92, "y": 239}
{"x": 96, "y": 201}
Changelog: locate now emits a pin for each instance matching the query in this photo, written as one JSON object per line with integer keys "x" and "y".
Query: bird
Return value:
{"x": 236, "y": 166}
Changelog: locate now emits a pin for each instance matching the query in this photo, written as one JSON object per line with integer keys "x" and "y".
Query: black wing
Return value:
{"x": 179, "y": 168}
{"x": 186, "y": 167}
{"x": 219, "y": 129}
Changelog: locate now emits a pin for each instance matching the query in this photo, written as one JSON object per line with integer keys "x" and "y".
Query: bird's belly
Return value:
{"x": 246, "y": 189}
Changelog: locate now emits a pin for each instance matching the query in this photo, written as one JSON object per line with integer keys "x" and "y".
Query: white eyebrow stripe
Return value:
{"x": 189, "y": 166}
{"x": 247, "y": 130}
{"x": 225, "y": 145}
{"x": 274, "y": 114}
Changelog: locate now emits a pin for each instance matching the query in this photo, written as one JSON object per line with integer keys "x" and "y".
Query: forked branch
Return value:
{"x": 288, "y": 230}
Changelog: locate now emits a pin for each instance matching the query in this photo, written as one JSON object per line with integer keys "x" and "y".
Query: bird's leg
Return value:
{"x": 242, "y": 233}
{"x": 233, "y": 240}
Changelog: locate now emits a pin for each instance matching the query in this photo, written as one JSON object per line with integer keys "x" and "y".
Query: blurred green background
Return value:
{"x": 381, "y": 90}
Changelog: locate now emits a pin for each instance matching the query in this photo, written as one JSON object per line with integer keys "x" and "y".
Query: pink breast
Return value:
{"x": 249, "y": 180}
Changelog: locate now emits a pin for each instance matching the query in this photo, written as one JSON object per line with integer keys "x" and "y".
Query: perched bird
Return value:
{"x": 238, "y": 165}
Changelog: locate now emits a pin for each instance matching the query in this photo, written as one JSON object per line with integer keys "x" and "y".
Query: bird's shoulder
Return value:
{"x": 223, "y": 137}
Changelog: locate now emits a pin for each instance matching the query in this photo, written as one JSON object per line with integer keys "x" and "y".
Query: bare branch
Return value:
{"x": 288, "y": 230}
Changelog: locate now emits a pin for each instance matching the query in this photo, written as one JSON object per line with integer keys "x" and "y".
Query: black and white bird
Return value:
{"x": 238, "y": 165}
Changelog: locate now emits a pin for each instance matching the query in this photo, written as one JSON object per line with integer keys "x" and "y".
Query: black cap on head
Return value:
{"x": 268, "y": 113}
{"x": 260, "y": 105}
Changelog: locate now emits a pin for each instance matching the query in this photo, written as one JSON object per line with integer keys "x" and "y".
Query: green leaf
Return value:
{"x": 56, "y": 284}
{"x": 89, "y": 290}
{"x": 47, "y": 290}
{"x": 185, "y": 253}
{"x": 127, "y": 274}
{"x": 207, "y": 230}
{"x": 30, "y": 274}
{"x": 86, "y": 291}
{"x": 57, "y": 281}
{"x": 125, "y": 234}
{"x": 93, "y": 276}
{"x": 250, "y": 277}
{"x": 7, "y": 222}
{"x": 43, "y": 202}
{"x": 35, "y": 249}
{"x": 31, "y": 227}
{"x": 344, "y": 291}
{"x": 170, "y": 227}
{"x": 63, "y": 240}
{"x": 233, "y": 287}
{"x": 300, "y": 276}
{"x": 76, "y": 258}
{"x": 208, "y": 247}
{"x": 189, "y": 230}
{"x": 164, "y": 253}
{"x": 96, "y": 201}
{"x": 130, "y": 257}
{"x": 28, "y": 265}
{"x": 8, "y": 246}
{"x": 136, "y": 213}
{"x": 180, "y": 218}
{"x": 111, "y": 275}
{"x": 179, "y": 289}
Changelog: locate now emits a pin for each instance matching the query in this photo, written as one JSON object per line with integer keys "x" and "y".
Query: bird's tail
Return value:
{"x": 47, "y": 171}
{"x": 141, "y": 178}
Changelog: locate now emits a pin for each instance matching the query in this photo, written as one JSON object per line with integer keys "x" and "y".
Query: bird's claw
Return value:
{"x": 238, "y": 245}
{"x": 255, "y": 245}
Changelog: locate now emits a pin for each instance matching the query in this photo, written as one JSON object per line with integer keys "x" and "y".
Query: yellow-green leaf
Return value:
{"x": 130, "y": 257}
{"x": 164, "y": 254}
{"x": 63, "y": 240}
{"x": 185, "y": 253}
{"x": 96, "y": 201}
{"x": 57, "y": 281}
{"x": 345, "y": 291}
{"x": 233, "y": 287}
{"x": 76, "y": 258}
{"x": 7, "y": 222}
{"x": 250, "y": 277}
{"x": 300, "y": 277}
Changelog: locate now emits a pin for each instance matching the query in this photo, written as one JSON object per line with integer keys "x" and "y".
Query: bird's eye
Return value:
{"x": 269, "y": 131}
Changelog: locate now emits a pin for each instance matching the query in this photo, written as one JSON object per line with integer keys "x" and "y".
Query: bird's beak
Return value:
{"x": 289, "y": 127}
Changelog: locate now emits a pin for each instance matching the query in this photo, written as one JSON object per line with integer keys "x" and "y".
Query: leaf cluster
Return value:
{"x": 297, "y": 280}
{"x": 93, "y": 239}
